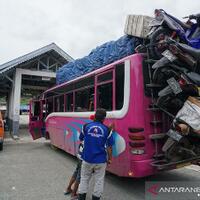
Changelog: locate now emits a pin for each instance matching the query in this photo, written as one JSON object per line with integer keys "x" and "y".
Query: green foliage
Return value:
{"x": 25, "y": 100}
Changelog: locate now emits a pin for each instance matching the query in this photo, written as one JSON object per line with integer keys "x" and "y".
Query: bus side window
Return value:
{"x": 69, "y": 102}
{"x": 91, "y": 102}
{"x": 59, "y": 103}
{"x": 84, "y": 100}
{"x": 49, "y": 106}
{"x": 56, "y": 104}
{"x": 119, "y": 86}
{"x": 61, "y": 100}
{"x": 104, "y": 96}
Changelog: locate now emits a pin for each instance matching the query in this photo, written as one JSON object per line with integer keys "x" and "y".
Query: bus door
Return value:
{"x": 36, "y": 122}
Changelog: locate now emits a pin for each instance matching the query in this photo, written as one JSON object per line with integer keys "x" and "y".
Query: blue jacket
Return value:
{"x": 97, "y": 137}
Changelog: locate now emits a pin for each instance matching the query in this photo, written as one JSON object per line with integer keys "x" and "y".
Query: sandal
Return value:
{"x": 67, "y": 192}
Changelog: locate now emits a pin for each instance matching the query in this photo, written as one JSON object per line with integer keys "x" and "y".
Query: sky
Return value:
{"x": 76, "y": 26}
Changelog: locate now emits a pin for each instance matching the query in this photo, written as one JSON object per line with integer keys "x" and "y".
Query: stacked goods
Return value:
{"x": 136, "y": 29}
{"x": 99, "y": 57}
{"x": 173, "y": 51}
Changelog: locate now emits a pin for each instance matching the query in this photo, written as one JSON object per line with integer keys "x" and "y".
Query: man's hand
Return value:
{"x": 111, "y": 126}
{"x": 109, "y": 161}
{"x": 109, "y": 151}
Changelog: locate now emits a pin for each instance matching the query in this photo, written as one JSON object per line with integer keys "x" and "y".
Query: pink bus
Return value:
{"x": 120, "y": 88}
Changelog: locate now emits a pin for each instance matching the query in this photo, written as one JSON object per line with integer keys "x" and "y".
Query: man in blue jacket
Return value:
{"x": 97, "y": 153}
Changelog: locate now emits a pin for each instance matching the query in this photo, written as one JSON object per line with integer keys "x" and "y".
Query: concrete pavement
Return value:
{"x": 32, "y": 170}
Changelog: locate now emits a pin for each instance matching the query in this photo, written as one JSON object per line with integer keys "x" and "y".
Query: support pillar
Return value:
{"x": 10, "y": 109}
{"x": 16, "y": 102}
{"x": 15, "y": 97}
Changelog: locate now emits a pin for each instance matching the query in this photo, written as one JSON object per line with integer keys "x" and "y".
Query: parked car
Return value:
{"x": 1, "y": 131}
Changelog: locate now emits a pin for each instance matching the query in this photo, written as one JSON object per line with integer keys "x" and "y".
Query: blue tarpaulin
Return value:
{"x": 99, "y": 57}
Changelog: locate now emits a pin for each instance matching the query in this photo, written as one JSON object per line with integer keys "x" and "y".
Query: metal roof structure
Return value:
{"x": 46, "y": 59}
{"x": 51, "y": 49}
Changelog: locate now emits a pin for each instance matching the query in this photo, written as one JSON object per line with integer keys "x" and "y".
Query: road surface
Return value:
{"x": 33, "y": 170}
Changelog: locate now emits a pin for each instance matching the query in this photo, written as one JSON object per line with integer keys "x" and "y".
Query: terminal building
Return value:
{"x": 30, "y": 74}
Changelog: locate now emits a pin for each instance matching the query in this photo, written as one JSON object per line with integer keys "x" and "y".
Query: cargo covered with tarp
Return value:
{"x": 99, "y": 57}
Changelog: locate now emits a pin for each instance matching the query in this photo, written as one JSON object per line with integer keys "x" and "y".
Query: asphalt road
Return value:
{"x": 35, "y": 171}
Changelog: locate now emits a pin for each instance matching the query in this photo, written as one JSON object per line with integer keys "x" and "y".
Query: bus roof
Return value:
{"x": 88, "y": 74}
